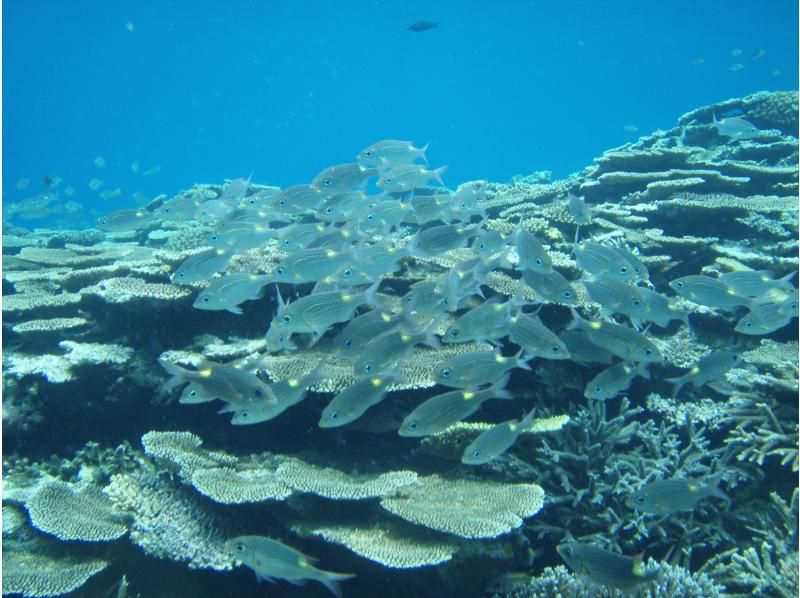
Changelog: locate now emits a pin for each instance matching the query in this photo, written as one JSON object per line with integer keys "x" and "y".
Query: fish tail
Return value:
{"x": 437, "y": 174}
{"x": 522, "y": 360}
{"x": 421, "y": 152}
{"x": 715, "y": 490}
{"x": 371, "y": 294}
{"x": 499, "y": 388}
{"x": 577, "y": 320}
{"x": 527, "y": 421}
{"x": 677, "y": 384}
{"x": 330, "y": 581}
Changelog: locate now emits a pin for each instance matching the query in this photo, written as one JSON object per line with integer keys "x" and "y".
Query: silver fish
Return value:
{"x": 755, "y": 283}
{"x": 315, "y": 314}
{"x": 640, "y": 270}
{"x": 442, "y": 411}
{"x": 343, "y": 207}
{"x": 297, "y": 236}
{"x": 495, "y": 441}
{"x": 384, "y": 216}
{"x": 596, "y": 260}
{"x": 765, "y": 317}
{"x": 362, "y": 329}
{"x": 272, "y": 560}
{"x": 212, "y": 211}
{"x": 343, "y": 178}
{"x": 436, "y": 240}
{"x": 551, "y": 287}
{"x": 734, "y": 127}
{"x": 421, "y": 298}
{"x": 535, "y": 338}
{"x": 391, "y": 152}
{"x": 386, "y": 350}
{"x": 660, "y": 309}
{"x": 353, "y": 401}
{"x": 488, "y": 242}
{"x": 428, "y": 207}
{"x": 298, "y": 199}
{"x": 708, "y": 368}
{"x": 664, "y": 497}
{"x": 406, "y": 177}
{"x": 234, "y": 190}
{"x": 584, "y": 351}
{"x": 471, "y": 370}
{"x": 180, "y": 208}
{"x": 620, "y": 340}
{"x": 613, "y": 380}
{"x": 464, "y": 204}
{"x": 124, "y": 220}
{"x": 617, "y": 296}
{"x": 310, "y": 265}
{"x": 532, "y": 254}
{"x": 288, "y": 393}
{"x": 229, "y": 291}
{"x": 604, "y": 567}
{"x": 708, "y": 291}
{"x": 220, "y": 381}
{"x": 578, "y": 209}
{"x": 202, "y": 266}
{"x": 487, "y": 322}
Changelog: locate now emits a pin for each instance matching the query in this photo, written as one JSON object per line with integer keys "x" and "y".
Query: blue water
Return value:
{"x": 207, "y": 90}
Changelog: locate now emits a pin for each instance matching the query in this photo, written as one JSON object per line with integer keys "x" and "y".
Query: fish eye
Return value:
{"x": 347, "y": 342}
{"x": 388, "y": 179}
{"x": 244, "y": 414}
{"x": 329, "y": 210}
{"x": 455, "y": 333}
{"x": 347, "y": 272}
{"x": 678, "y": 284}
{"x": 748, "y": 324}
{"x": 281, "y": 202}
{"x": 476, "y": 453}
{"x": 239, "y": 547}
{"x": 567, "y": 294}
{"x": 597, "y": 390}
{"x": 371, "y": 217}
{"x": 192, "y": 393}
{"x": 623, "y": 270}
{"x": 648, "y": 351}
{"x": 327, "y": 182}
{"x": 640, "y": 499}
{"x": 368, "y": 153}
{"x": 412, "y": 426}
{"x": 538, "y": 261}
{"x": 481, "y": 246}
{"x": 368, "y": 368}
{"x": 206, "y": 299}
{"x": 334, "y": 415}
{"x": 280, "y": 271}
{"x": 636, "y": 302}
{"x": 555, "y": 349}
{"x": 445, "y": 373}
{"x": 286, "y": 320}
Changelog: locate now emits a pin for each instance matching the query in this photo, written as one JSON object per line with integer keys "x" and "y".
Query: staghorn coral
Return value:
{"x": 338, "y": 485}
{"x": 670, "y": 580}
{"x": 169, "y": 522}
{"x": 466, "y": 508}
{"x": 74, "y": 513}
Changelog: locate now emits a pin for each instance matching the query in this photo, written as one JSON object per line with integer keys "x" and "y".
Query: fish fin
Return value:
{"x": 499, "y": 388}
{"x": 716, "y": 490}
{"x": 437, "y": 174}
{"x": 577, "y": 320}
{"x": 522, "y": 360}
{"x": 330, "y": 581}
{"x": 422, "y": 151}
{"x": 526, "y": 422}
{"x": 371, "y": 294}
{"x": 677, "y": 384}
{"x": 235, "y": 310}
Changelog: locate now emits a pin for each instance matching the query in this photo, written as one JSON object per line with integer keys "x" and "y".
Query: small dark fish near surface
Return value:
{"x": 419, "y": 26}
{"x": 604, "y": 567}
